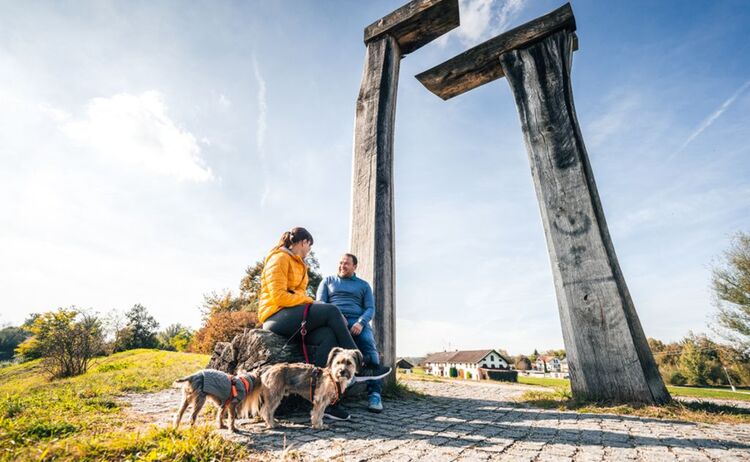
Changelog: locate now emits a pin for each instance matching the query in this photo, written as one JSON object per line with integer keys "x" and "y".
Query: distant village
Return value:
{"x": 486, "y": 365}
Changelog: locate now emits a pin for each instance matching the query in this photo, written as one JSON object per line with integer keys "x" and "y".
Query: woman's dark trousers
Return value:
{"x": 326, "y": 328}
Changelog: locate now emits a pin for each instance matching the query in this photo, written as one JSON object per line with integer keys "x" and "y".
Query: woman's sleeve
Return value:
{"x": 277, "y": 271}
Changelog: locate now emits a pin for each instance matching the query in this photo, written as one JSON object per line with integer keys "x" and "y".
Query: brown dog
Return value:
{"x": 320, "y": 386}
{"x": 232, "y": 394}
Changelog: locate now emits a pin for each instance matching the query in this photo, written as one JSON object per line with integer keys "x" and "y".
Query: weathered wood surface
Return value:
{"x": 253, "y": 348}
{"x": 372, "y": 231}
{"x": 416, "y": 24}
{"x": 607, "y": 351}
{"x": 479, "y": 65}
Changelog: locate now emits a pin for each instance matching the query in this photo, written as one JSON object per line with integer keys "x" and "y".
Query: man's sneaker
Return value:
{"x": 373, "y": 372}
{"x": 336, "y": 412}
{"x": 375, "y": 403}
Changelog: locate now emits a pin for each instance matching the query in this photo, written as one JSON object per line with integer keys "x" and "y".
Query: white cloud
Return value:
{"x": 136, "y": 130}
{"x": 482, "y": 19}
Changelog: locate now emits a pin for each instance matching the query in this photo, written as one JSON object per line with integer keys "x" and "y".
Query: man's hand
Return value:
{"x": 356, "y": 329}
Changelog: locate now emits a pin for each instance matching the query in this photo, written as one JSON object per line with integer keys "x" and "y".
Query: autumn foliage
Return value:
{"x": 222, "y": 327}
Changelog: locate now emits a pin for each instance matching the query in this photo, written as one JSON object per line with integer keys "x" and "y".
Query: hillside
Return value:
{"x": 82, "y": 418}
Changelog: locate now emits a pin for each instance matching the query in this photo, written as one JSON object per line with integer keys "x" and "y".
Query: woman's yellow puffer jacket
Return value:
{"x": 283, "y": 282}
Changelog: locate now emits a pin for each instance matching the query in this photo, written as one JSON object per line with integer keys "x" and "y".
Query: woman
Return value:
{"x": 283, "y": 297}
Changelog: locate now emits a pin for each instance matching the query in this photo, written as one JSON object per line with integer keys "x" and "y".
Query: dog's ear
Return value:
{"x": 332, "y": 355}
{"x": 360, "y": 359}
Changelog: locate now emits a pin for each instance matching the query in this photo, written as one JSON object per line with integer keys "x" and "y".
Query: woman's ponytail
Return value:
{"x": 294, "y": 236}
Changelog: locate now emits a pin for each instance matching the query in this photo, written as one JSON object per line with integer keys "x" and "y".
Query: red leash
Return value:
{"x": 303, "y": 331}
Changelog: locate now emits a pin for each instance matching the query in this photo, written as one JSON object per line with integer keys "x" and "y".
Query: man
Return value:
{"x": 354, "y": 299}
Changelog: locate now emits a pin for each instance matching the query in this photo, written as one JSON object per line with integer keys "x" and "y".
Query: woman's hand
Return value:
{"x": 356, "y": 329}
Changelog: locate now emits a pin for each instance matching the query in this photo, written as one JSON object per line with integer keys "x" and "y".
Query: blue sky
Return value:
{"x": 152, "y": 150}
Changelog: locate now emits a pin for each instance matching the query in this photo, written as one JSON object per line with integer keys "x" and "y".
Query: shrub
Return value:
{"x": 676, "y": 378}
{"x": 222, "y": 327}
{"x": 67, "y": 340}
{"x": 175, "y": 338}
{"x": 10, "y": 338}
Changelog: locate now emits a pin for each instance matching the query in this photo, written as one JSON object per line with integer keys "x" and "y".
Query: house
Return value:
{"x": 564, "y": 365}
{"x": 547, "y": 364}
{"x": 404, "y": 364}
{"x": 467, "y": 364}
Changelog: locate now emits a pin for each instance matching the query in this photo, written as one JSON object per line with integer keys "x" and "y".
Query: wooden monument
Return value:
{"x": 608, "y": 354}
{"x": 372, "y": 236}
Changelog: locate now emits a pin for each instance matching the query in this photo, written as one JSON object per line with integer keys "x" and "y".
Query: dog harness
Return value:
{"x": 315, "y": 376}
{"x": 233, "y": 395}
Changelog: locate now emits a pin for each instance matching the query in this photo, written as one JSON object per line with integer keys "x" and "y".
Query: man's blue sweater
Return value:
{"x": 352, "y": 296}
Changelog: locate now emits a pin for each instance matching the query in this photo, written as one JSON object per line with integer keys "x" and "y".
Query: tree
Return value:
{"x": 222, "y": 327}
{"x": 176, "y": 337}
{"x": 67, "y": 340}
{"x": 731, "y": 284}
{"x": 559, "y": 354}
{"x": 314, "y": 278}
{"x": 10, "y": 338}
{"x": 251, "y": 282}
{"x": 139, "y": 331}
{"x": 222, "y": 302}
{"x": 250, "y": 285}
{"x": 694, "y": 364}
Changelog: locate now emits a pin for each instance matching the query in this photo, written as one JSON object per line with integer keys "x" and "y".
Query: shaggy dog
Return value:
{"x": 320, "y": 386}
{"x": 230, "y": 393}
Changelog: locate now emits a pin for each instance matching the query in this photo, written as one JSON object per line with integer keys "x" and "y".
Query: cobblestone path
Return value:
{"x": 467, "y": 421}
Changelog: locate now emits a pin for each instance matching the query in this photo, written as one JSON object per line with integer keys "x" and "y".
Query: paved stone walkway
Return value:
{"x": 467, "y": 421}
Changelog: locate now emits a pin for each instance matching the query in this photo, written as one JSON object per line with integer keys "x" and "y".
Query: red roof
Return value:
{"x": 466, "y": 356}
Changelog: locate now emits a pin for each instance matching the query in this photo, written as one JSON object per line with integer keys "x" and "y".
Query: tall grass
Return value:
{"x": 81, "y": 418}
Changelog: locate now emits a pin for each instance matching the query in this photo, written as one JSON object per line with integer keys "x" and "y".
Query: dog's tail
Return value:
{"x": 251, "y": 404}
{"x": 179, "y": 383}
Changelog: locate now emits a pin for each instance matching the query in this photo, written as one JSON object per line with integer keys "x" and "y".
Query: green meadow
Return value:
{"x": 83, "y": 418}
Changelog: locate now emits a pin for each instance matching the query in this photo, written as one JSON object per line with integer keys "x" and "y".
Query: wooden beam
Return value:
{"x": 608, "y": 355}
{"x": 416, "y": 23}
{"x": 480, "y": 64}
{"x": 372, "y": 230}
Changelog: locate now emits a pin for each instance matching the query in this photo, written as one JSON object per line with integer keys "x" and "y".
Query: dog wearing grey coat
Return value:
{"x": 232, "y": 394}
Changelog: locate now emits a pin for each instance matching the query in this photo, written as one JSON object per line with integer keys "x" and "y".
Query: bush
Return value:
{"x": 222, "y": 327}
{"x": 67, "y": 340}
{"x": 10, "y": 338}
{"x": 175, "y": 338}
{"x": 676, "y": 378}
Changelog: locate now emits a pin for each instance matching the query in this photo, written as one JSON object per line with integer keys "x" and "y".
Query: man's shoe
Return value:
{"x": 375, "y": 403}
{"x": 336, "y": 412}
{"x": 373, "y": 372}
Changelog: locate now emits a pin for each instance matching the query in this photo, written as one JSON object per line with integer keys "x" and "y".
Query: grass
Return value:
{"x": 691, "y": 392}
{"x": 561, "y": 398}
{"x": 81, "y": 418}
{"x": 705, "y": 412}
{"x": 400, "y": 390}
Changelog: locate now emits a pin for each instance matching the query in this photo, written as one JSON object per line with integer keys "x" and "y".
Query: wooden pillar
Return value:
{"x": 608, "y": 354}
{"x": 372, "y": 229}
